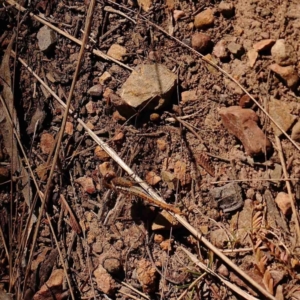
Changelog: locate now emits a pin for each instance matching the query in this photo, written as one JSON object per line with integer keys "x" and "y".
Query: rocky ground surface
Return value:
{"x": 215, "y": 143}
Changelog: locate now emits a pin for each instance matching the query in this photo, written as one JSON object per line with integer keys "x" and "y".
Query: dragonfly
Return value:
{"x": 126, "y": 186}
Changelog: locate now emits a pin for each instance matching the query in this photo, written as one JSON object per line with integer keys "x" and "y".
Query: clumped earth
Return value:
{"x": 216, "y": 143}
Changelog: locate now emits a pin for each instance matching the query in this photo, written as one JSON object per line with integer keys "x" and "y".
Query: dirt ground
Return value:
{"x": 181, "y": 95}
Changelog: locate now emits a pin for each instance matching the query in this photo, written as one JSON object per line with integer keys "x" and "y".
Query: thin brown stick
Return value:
{"x": 288, "y": 185}
{"x": 255, "y": 179}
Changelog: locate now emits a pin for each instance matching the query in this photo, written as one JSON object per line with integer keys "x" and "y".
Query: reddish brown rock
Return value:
{"x": 117, "y": 52}
{"x": 146, "y": 274}
{"x": 192, "y": 95}
{"x": 118, "y": 118}
{"x": 69, "y": 128}
{"x": 252, "y": 57}
{"x": 201, "y": 42}
{"x": 263, "y": 45}
{"x": 204, "y": 19}
{"x": 101, "y": 154}
{"x": 288, "y": 74}
{"x": 245, "y": 101}
{"x": 47, "y": 142}
{"x": 243, "y": 124}
{"x": 87, "y": 184}
{"x": 104, "y": 281}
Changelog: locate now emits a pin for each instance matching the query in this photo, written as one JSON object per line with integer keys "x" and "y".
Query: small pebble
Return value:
{"x": 46, "y": 38}
{"x": 117, "y": 52}
{"x": 145, "y": 4}
{"x": 223, "y": 270}
{"x": 154, "y": 117}
{"x": 152, "y": 178}
{"x": 187, "y": 96}
{"x": 258, "y": 197}
{"x": 96, "y": 90}
{"x": 220, "y": 50}
{"x": 263, "y": 45}
{"x": 91, "y": 107}
{"x": 201, "y": 42}
{"x": 87, "y": 184}
{"x": 283, "y": 54}
{"x": 69, "y": 128}
{"x": 104, "y": 78}
{"x": 288, "y": 74}
{"x": 204, "y": 19}
{"x": 226, "y": 9}
{"x": 236, "y": 49}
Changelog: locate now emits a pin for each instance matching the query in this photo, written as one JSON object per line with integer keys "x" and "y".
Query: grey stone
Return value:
{"x": 228, "y": 197}
{"x": 46, "y": 38}
{"x": 235, "y": 49}
{"x": 149, "y": 86}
